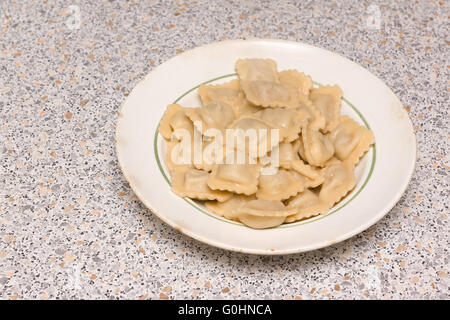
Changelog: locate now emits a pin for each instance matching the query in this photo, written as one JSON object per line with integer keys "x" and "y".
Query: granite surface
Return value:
{"x": 70, "y": 226}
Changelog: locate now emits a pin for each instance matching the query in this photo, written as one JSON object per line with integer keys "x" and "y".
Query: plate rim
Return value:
{"x": 370, "y": 222}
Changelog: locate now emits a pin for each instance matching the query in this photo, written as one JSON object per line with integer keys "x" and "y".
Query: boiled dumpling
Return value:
{"x": 269, "y": 94}
{"x": 328, "y": 100}
{"x": 297, "y": 83}
{"x": 283, "y": 185}
{"x": 175, "y": 156}
{"x": 259, "y": 222}
{"x": 289, "y": 159}
{"x": 192, "y": 183}
{"x": 261, "y": 84}
{"x": 212, "y": 152}
{"x": 229, "y": 208}
{"x": 288, "y": 121}
{"x": 174, "y": 118}
{"x": 237, "y": 178}
{"x": 261, "y": 214}
{"x": 307, "y": 204}
{"x": 257, "y": 70}
{"x": 350, "y": 140}
{"x": 230, "y": 93}
{"x": 214, "y": 115}
{"x": 316, "y": 118}
{"x": 316, "y": 147}
{"x": 339, "y": 180}
{"x": 256, "y": 137}
{"x": 254, "y": 213}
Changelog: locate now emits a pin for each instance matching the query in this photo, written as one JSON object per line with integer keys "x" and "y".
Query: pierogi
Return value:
{"x": 221, "y": 152}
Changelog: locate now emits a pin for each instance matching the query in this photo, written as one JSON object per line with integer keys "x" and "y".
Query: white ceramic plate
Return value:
{"x": 382, "y": 175}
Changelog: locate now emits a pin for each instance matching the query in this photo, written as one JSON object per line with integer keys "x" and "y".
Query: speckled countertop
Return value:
{"x": 70, "y": 226}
